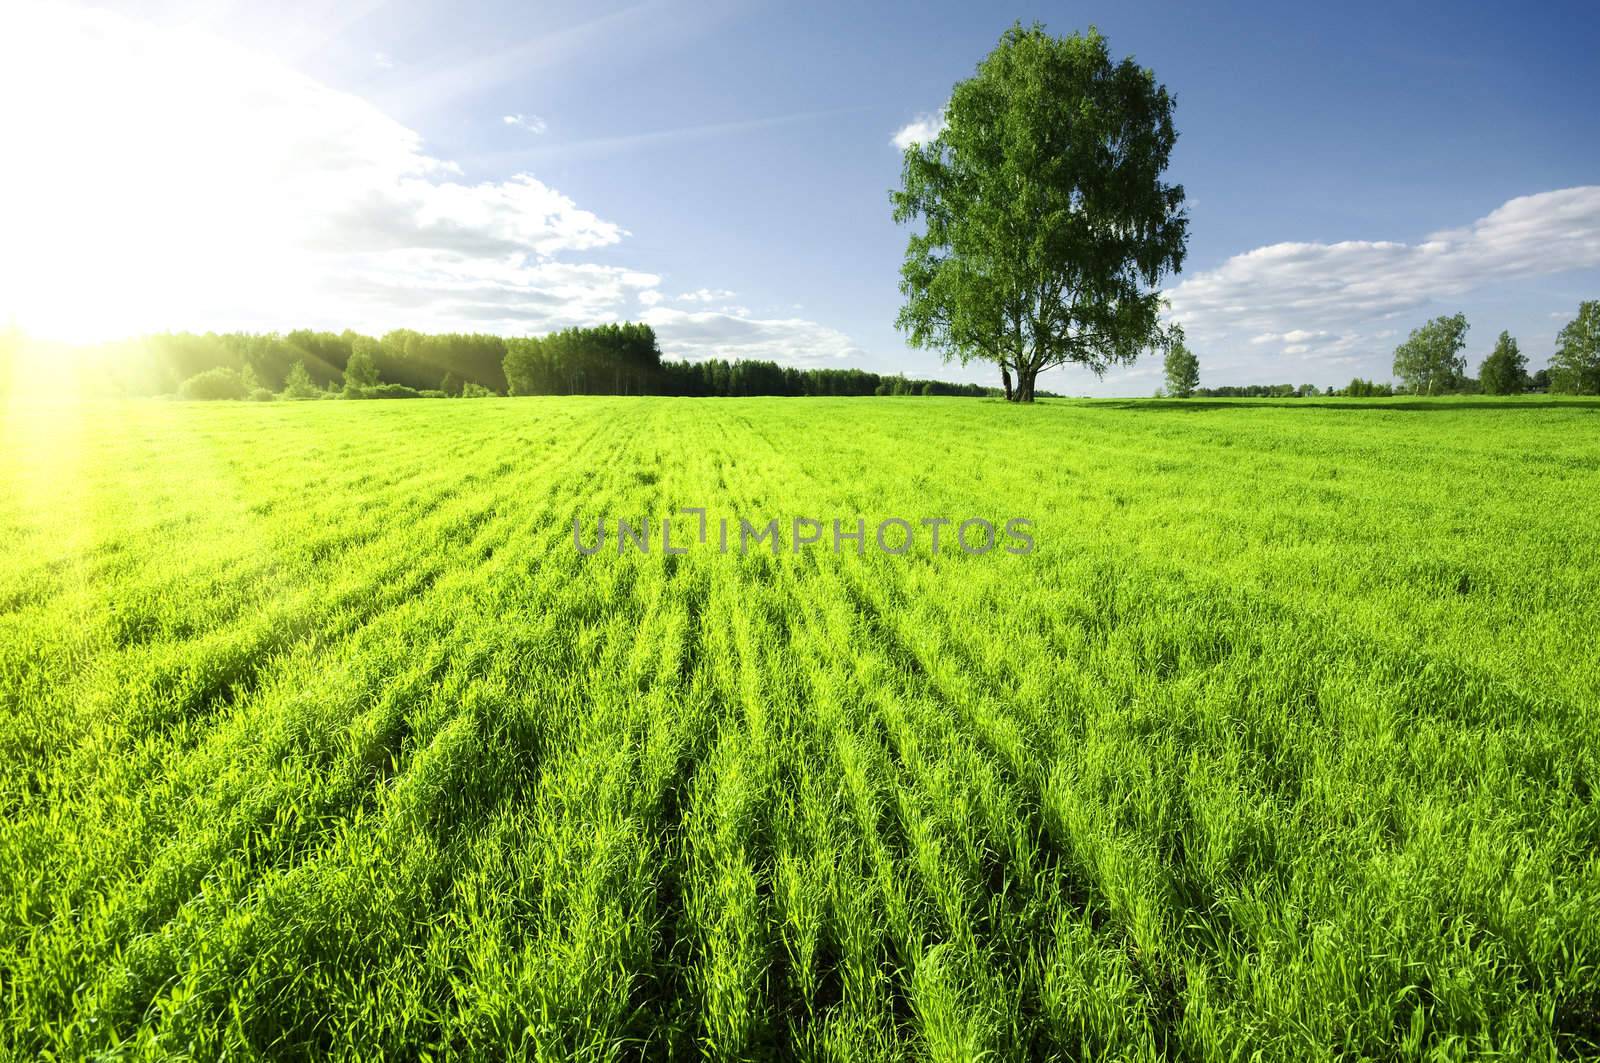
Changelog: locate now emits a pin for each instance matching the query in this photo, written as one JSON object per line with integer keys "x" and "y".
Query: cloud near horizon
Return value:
{"x": 1346, "y": 304}
{"x": 702, "y": 334}
{"x": 273, "y": 201}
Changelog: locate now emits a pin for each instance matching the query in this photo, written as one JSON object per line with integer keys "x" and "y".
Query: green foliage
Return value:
{"x": 361, "y": 371}
{"x": 155, "y": 364}
{"x": 614, "y": 359}
{"x": 1575, "y": 368}
{"x": 219, "y": 383}
{"x": 297, "y": 384}
{"x": 420, "y": 360}
{"x": 321, "y": 741}
{"x": 1505, "y": 371}
{"x": 1182, "y": 368}
{"x": 1366, "y": 389}
{"x": 1429, "y": 362}
{"x": 1046, "y": 225}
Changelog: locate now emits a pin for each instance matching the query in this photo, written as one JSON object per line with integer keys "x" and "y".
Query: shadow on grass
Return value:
{"x": 1406, "y": 405}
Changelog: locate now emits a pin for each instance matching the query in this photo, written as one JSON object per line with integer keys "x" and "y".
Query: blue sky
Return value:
{"x": 722, "y": 169}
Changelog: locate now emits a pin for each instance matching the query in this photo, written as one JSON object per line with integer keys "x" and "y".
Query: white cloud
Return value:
{"x": 531, "y": 122}
{"x": 266, "y": 200}
{"x": 701, "y": 334}
{"x": 1340, "y": 304}
{"x": 705, "y": 295}
{"x": 271, "y": 201}
{"x": 920, "y": 130}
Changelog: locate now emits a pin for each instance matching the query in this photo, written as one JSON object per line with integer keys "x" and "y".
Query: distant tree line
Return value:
{"x": 1429, "y": 362}
{"x": 625, "y": 359}
{"x": 298, "y": 364}
{"x": 1259, "y": 391}
{"x": 611, "y": 359}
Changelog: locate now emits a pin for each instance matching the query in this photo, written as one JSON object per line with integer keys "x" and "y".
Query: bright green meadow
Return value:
{"x": 320, "y": 739}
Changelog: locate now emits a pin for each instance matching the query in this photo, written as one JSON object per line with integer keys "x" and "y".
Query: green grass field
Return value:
{"x": 320, "y": 738}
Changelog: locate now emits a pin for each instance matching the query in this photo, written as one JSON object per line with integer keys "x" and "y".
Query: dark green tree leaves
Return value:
{"x": 1182, "y": 367}
{"x": 361, "y": 372}
{"x": 1505, "y": 371}
{"x": 1046, "y": 222}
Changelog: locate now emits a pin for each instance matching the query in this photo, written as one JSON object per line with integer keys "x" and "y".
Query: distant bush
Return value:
{"x": 261, "y": 395}
{"x": 298, "y": 384}
{"x": 469, "y": 390}
{"x": 218, "y": 383}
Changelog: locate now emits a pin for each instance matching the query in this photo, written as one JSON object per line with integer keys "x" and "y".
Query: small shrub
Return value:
{"x": 298, "y": 384}
{"x": 213, "y": 384}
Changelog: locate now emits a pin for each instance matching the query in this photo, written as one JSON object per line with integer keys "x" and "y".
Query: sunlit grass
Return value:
{"x": 320, "y": 738}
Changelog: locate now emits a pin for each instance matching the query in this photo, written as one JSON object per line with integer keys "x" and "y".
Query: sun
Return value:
{"x": 142, "y": 202}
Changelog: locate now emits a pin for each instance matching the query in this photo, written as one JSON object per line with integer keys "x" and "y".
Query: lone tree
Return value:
{"x": 298, "y": 384}
{"x": 1429, "y": 362}
{"x": 1575, "y": 369}
{"x": 1182, "y": 367}
{"x": 360, "y": 372}
{"x": 1046, "y": 223}
{"x": 1505, "y": 371}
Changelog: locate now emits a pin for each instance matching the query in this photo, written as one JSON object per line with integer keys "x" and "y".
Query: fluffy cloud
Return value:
{"x": 1337, "y": 303}
{"x": 706, "y": 295}
{"x": 263, "y": 200}
{"x": 701, "y": 334}
{"x": 920, "y": 130}
{"x": 531, "y": 122}
{"x": 267, "y": 200}
{"x": 1322, "y": 311}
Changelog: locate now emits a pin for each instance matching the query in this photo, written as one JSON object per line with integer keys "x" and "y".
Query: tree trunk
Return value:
{"x": 1005, "y": 376}
{"x": 1025, "y": 378}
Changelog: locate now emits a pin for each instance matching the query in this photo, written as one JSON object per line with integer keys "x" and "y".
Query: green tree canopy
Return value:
{"x": 1505, "y": 371}
{"x": 1575, "y": 369}
{"x": 361, "y": 371}
{"x": 1429, "y": 362}
{"x": 298, "y": 383}
{"x": 1046, "y": 222}
{"x": 1182, "y": 367}
{"x": 218, "y": 383}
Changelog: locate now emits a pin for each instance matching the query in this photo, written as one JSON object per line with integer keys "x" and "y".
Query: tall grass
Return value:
{"x": 318, "y": 738}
